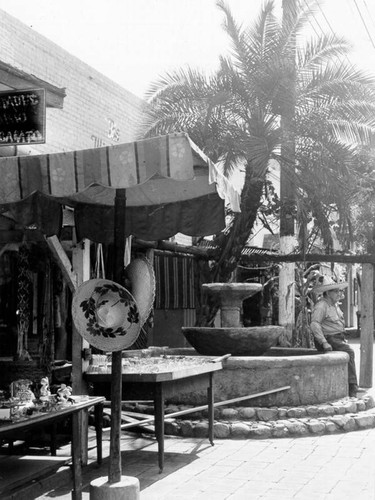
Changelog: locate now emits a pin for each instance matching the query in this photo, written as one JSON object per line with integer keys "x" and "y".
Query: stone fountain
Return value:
{"x": 232, "y": 337}
{"x": 255, "y": 365}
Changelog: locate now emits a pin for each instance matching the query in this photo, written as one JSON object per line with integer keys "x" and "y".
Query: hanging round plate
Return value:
{"x": 106, "y": 315}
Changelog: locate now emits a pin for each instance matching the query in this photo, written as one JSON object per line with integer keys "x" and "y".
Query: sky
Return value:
{"x": 134, "y": 42}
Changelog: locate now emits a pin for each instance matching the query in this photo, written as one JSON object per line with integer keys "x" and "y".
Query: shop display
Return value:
{"x": 22, "y": 403}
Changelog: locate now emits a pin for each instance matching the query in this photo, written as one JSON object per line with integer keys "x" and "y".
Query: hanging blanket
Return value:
{"x": 174, "y": 282}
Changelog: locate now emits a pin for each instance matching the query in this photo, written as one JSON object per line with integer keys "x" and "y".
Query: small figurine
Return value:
{"x": 44, "y": 388}
{"x": 64, "y": 394}
{"x": 20, "y": 389}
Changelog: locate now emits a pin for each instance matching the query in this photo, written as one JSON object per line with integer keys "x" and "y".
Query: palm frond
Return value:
{"x": 338, "y": 82}
{"x": 234, "y": 31}
{"x": 321, "y": 51}
{"x": 348, "y": 130}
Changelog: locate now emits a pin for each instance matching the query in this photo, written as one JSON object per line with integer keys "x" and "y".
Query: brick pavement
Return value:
{"x": 334, "y": 467}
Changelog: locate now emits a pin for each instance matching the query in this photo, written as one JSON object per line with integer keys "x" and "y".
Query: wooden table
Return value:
{"x": 158, "y": 387}
{"x": 12, "y": 430}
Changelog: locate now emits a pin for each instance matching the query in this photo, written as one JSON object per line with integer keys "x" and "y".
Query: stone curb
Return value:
{"x": 345, "y": 415}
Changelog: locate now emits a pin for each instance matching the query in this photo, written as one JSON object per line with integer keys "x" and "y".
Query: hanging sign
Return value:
{"x": 22, "y": 117}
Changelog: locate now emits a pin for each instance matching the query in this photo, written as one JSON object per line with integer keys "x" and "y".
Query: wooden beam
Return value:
{"x": 207, "y": 253}
{"x": 62, "y": 261}
{"x": 17, "y": 79}
{"x": 367, "y": 326}
{"x": 313, "y": 257}
{"x": 174, "y": 247}
{"x": 149, "y": 419}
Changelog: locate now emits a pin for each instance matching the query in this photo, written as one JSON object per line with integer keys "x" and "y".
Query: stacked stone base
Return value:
{"x": 345, "y": 415}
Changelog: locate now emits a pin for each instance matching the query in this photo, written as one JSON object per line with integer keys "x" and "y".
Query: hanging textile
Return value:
{"x": 61, "y": 306}
{"x": 99, "y": 271}
{"x": 128, "y": 250}
{"x": 197, "y": 217}
{"x": 174, "y": 282}
{"x": 24, "y": 294}
{"x": 37, "y": 211}
{"x": 46, "y": 315}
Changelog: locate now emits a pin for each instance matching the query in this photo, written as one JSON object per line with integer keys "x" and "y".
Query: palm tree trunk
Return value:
{"x": 229, "y": 249}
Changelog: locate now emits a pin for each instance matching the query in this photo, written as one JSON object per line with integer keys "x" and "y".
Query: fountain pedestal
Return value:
{"x": 231, "y": 296}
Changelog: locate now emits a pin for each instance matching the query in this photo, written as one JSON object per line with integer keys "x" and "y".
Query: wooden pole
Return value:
{"x": 367, "y": 326}
{"x": 148, "y": 420}
{"x": 115, "y": 469}
{"x": 81, "y": 266}
{"x": 287, "y": 188}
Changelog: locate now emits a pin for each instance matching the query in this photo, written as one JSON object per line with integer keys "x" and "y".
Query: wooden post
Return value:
{"x": 62, "y": 260}
{"x": 367, "y": 326}
{"x": 81, "y": 266}
{"x": 287, "y": 188}
{"x": 114, "y": 475}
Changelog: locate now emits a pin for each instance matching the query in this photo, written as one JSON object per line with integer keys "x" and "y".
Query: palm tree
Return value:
{"x": 234, "y": 116}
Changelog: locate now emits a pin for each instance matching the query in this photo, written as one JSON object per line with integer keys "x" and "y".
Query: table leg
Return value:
{"x": 98, "y": 430}
{"x": 76, "y": 457}
{"x": 53, "y": 439}
{"x": 210, "y": 403}
{"x": 159, "y": 423}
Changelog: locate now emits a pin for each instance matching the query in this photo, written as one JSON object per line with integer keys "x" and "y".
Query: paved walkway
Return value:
{"x": 329, "y": 467}
{"x": 336, "y": 467}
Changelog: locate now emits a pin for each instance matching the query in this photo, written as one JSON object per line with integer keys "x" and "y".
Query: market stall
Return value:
{"x": 169, "y": 184}
{"x": 151, "y": 189}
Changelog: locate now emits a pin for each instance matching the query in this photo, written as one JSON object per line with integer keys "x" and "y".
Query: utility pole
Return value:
{"x": 287, "y": 188}
{"x": 367, "y": 320}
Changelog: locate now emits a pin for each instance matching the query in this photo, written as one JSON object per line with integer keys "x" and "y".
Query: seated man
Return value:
{"x": 328, "y": 326}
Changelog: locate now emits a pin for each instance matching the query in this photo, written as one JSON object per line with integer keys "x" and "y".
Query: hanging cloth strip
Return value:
{"x": 174, "y": 277}
{"x": 99, "y": 271}
{"x": 23, "y": 303}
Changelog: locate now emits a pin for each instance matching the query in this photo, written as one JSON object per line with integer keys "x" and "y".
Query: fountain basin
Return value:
{"x": 234, "y": 292}
{"x": 237, "y": 341}
{"x": 313, "y": 379}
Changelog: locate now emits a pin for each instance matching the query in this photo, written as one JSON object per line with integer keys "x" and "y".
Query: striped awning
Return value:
{"x": 161, "y": 174}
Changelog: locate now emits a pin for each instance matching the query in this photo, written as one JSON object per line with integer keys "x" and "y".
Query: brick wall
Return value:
{"x": 92, "y": 104}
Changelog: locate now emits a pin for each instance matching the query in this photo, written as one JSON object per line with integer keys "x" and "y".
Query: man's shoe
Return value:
{"x": 353, "y": 389}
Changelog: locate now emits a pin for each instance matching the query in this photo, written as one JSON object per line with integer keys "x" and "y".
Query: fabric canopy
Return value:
{"x": 171, "y": 186}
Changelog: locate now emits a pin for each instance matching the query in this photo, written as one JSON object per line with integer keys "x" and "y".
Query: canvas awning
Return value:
{"x": 171, "y": 186}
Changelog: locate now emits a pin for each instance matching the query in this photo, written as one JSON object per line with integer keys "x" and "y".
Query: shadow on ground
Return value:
{"x": 142, "y": 464}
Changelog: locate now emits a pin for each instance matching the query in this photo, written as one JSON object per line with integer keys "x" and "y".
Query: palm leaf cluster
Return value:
{"x": 235, "y": 116}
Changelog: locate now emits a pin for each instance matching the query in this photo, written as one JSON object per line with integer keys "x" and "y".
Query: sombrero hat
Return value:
{"x": 326, "y": 284}
{"x": 142, "y": 278}
{"x": 106, "y": 315}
